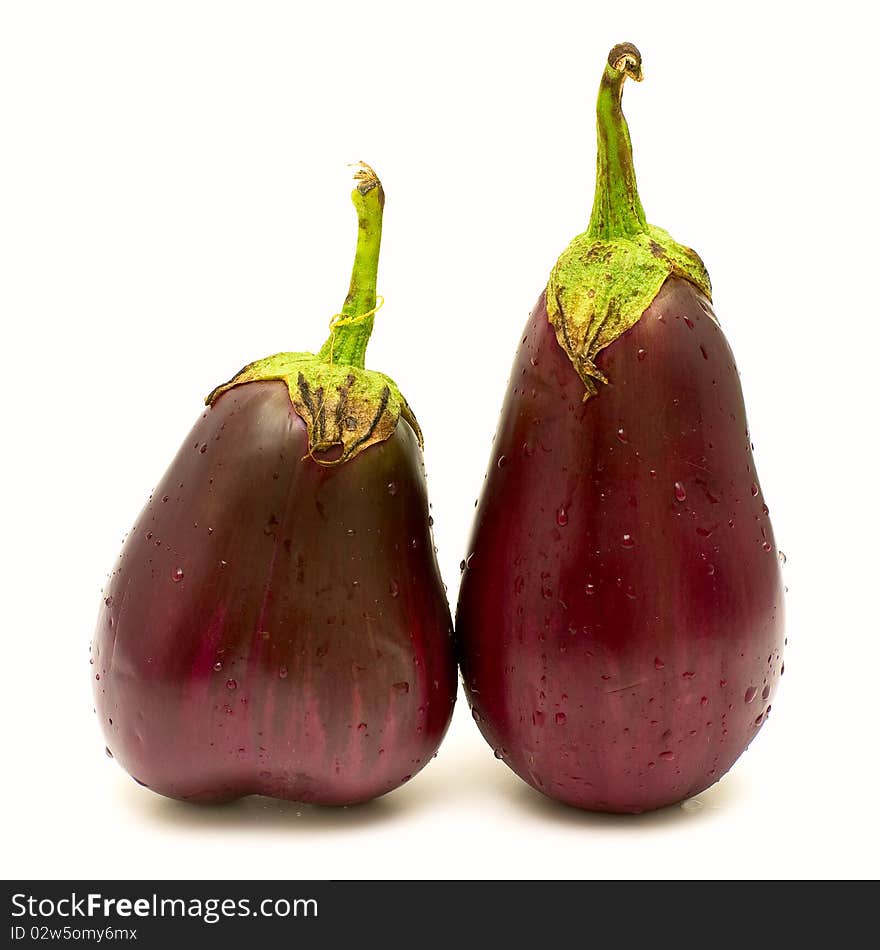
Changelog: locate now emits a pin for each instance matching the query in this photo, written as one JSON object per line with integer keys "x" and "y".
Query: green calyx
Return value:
{"x": 608, "y": 276}
{"x": 346, "y": 407}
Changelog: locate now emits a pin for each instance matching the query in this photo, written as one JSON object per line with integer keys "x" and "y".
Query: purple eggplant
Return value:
{"x": 620, "y": 621}
{"x": 276, "y": 623}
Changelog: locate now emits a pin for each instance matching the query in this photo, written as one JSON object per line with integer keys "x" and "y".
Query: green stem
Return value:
{"x": 347, "y": 343}
{"x": 617, "y": 210}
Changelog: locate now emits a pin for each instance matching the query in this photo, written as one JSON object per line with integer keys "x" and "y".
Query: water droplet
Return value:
{"x": 562, "y": 517}
{"x": 658, "y": 663}
{"x": 528, "y": 450}
{"x": 751, "y": 693}
{"x": 767, "y": 546}
{"x": 689, "y": 322}
{"x": 401, "y": 687}
{"x": 476, "y": 715}
{"x": 203, "y": 449}
{"x": 722, "y": 683}
{"x": 393, "y": 588}
{"x": 462, "y": 565}
{"x": 282, "y": 672}
{"x": 502, "y": 461}
{"x": 765, "y": 693}
{"x": 108, "y": 753}
{"x": 108, "y": 601}
{"x": 500, "y": 753}
{"x": 164, "y": 498}
{"x": 177, "y": 574}
{"x": 392, "y": 488}
{"x": 218, "y": 666}
{"x": 538, "y": 717}
{"x": 688, "y": 675}
{"x": 680, "y": 492}
{"x": 590, "y": 588}
{"x": 231, "y": 684}
{"x": 704, "y": 701}
{"x": 641, "y": 354}
{"x": 754, "y": 489}
{"x": 668, "y": 755}
{"x": 362, "y": 726}
{"x": 561, "y": 719}
{"x": 627, "y": 541}
{"x": 782, "y": 557}
{"x": 758, "y": 719}
{"x": 621, "y": 435}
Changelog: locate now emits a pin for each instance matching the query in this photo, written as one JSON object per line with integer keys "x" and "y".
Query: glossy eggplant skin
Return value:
{"x": 620, "y": 621}
{"x": 274, "y": 626}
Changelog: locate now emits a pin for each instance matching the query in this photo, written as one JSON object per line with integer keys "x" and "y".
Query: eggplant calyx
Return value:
{"x": 600, "y": 288}
{"x": 346, "y": 409}
{"x": 608, "y": 276}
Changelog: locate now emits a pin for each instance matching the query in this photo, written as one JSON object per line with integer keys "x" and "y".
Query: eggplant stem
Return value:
{"x": 350, "y": 329}
{"x": 617, "y": 209}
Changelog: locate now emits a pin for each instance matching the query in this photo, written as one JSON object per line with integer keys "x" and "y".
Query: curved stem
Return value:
{"x": 617, "y": 210}
{"x": 347, "y": 343}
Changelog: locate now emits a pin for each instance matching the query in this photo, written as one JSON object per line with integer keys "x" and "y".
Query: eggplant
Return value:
{"x": 276, "y": 623}
{"x": 620, "y": 618}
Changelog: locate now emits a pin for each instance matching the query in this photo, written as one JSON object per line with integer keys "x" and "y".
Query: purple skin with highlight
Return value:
{"x": 274, "y": 626}
{"x": 620, "y": 622}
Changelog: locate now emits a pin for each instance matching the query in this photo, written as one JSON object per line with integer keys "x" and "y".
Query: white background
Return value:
{"x": 174, "y": 203}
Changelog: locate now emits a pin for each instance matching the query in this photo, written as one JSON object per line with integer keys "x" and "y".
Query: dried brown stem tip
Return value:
{"x": 625, "y": 58}
{"x": 366, "y": 178}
